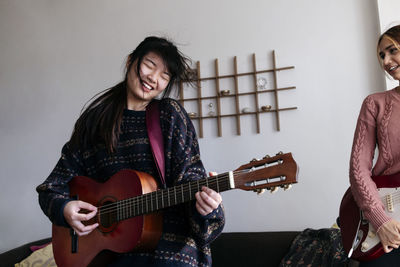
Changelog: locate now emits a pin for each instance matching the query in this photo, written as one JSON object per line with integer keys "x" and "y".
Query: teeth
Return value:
{"x": 392, "y": 68}
{"x": 147, "y": 86}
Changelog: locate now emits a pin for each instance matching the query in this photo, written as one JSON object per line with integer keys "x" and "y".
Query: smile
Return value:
{"x": 147, "y": 86}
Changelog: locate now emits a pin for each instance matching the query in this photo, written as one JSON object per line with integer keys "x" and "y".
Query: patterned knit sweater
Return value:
{"x": 378, "y": 124}
{"x": 186, "y": 234}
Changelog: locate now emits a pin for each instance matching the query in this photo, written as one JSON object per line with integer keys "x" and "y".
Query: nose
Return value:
{"x": 152, "y": 77}
{"x": 387, "y": 60}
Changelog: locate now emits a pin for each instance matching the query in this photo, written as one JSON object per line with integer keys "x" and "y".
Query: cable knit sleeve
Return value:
{"x": 184, "y": 164}
{"x": 54, "y": 191}
{"x": 363, "y": 188}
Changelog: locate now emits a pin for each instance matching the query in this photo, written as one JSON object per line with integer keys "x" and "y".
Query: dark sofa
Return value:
{"x": 230, "y": 249}
{"x": 251, "y": 248}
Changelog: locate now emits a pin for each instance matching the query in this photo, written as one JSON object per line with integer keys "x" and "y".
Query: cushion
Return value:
{"x": 40, "y": 257}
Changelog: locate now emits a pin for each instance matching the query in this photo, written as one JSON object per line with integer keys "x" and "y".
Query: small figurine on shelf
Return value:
{"x": 266, "y": 108}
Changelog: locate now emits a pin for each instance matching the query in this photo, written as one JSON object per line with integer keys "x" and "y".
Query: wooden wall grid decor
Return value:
{"x": 219, "y": 94}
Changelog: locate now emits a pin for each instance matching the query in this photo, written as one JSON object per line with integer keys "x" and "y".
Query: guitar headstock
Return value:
{"x": 268, "y": 173}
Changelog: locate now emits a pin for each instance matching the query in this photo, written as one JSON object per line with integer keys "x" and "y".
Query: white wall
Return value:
{"x": 55, "y": 55}
{"x": 388, "y": 17}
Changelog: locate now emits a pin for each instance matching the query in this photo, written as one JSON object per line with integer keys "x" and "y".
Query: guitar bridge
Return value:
{"x": 389, "y": 203}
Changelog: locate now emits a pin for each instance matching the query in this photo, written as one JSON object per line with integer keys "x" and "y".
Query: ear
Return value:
{"x": 128, "y": 60}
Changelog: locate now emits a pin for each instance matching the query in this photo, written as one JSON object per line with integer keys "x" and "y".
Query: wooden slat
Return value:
{"x": 245, "y": 93}
{"x": 217, "y": 89}
{"x": 236, "y": 96}
{"x": 244, "y": 74}
{"x": 278, "y": 124}
{"x": 247, "y": 113}
{"x": 257, "y": 112}
{"x": 199, "y": 102}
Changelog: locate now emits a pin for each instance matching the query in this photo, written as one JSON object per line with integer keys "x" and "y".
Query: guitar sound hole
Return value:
{"x": 107, "y": 218}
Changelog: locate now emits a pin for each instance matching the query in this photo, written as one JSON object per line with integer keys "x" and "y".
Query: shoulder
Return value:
{"x": 171, "y": 107}
{"x": 174, "y": 114}
{"x": 376, "y": 102}
{"x": 379, "y": 96}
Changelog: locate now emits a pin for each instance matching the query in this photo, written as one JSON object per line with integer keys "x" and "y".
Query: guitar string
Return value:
{"x": 181, "y": 189}
{"x": 395, "y": 199}
{"x": 184, "y": 189}
{"x": 139, "y": 206}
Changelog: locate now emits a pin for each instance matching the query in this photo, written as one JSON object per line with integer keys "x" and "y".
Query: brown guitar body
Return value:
{"x": 137, "y": 233}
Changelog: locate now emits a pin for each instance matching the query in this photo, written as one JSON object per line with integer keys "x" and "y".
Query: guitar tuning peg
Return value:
{"x": 267, "y": 157}
{"x": 287, "y": 187}
{"x": 254, "y": 160}
{"x": 274, "y": 189}
{"x": 279, "y": 153}
{"x": 260, "y": 191}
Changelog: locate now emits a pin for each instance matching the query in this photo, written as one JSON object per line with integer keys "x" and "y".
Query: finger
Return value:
{"x": 202, "y": 207}
{"x": 216, "y": 197}
{"x": 80, "y": 228}
{"x": 208, "y": 201}
{"x": 82, "y": 216}
{"x": 82, "y": 233}
{"x": 199, "y": 199}
{"x": 90, "y": 215}
{"x": 86, "y": 206}
{"x": 387, "y": 249}
{"x": 201, "y": 210}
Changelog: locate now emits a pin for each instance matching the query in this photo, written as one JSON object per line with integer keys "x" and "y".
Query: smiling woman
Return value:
{"x": 152, "y": 80}
{"x": 389, "y": 52}
{"x": 378, "y": 126}
{"x": 111, "y": 136}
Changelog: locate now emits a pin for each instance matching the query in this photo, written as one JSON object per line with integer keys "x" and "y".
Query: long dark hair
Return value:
{"x": 100, "y": 120}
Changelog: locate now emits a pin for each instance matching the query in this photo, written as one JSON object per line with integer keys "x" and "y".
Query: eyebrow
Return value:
{"x": 389, "y": 46}
{"x": 154, "y": 64}
{"x": 151, "y": 61}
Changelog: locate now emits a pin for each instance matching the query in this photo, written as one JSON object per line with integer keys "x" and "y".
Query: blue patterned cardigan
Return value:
{"x": 186, "y": 234}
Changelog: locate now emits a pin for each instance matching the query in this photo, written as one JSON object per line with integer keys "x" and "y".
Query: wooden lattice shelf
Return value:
{"x": 220, "y": 94}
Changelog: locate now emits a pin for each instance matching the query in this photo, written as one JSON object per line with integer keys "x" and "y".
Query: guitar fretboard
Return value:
{"x": 160, "y": 199}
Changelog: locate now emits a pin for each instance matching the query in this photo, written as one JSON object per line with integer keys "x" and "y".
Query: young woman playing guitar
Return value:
{"x": 379, "y": 125}
{"x": 110, "y": 135}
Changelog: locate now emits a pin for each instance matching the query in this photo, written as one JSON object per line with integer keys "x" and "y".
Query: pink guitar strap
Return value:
{"x": 156, "y": 137}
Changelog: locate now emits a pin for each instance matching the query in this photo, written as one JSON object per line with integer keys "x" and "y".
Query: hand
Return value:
{"x": 207, "y": 200}
{"x": 74, "y": 218}
{"x": 389, "y": 234}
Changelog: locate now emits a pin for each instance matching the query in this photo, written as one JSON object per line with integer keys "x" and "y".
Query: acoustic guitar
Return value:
{"x": 359, "y": 238}
{"x": 129, "y": 206}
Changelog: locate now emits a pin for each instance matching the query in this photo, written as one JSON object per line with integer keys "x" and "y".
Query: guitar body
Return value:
{"x": 137, "y": 233}
{"x": 368, "y": 246}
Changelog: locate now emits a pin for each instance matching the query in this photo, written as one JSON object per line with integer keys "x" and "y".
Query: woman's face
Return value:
{"x": 390, "y": 56}
{"x": 154, "y": 78}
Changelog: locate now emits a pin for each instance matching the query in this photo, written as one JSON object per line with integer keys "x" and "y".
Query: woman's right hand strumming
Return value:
{"x": 74, "y": 218}
{"x": 389, "y": 234}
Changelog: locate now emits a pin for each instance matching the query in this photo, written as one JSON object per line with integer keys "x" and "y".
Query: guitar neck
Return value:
{"x": 164, "y": 198}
